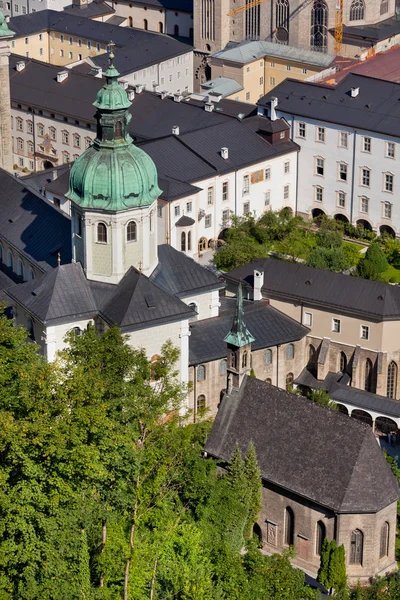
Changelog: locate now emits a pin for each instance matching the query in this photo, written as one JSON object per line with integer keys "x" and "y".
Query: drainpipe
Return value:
{"x": 301, "y": 313}
{"x": 297, "y": 172}
{"x": 235, "y": 193}
{"x": 277, "y": 365}
{"x": 34, "y": 139}
{"x": 194, "y": 391}
{"x": 352, "y": 174}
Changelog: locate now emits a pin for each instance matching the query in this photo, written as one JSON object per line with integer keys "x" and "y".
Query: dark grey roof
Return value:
{"x": 116, "y": 20}
{"x": 376, "y": 108}
{"x": 317, "y": 287}
{"x": 95, "y": 8}
{"x": 173, "y": 189}
{"x": 46, "y": 179}
{"x": 136, "y": 48}
{"x": 180, "y": 275}
{"x": 137, "y": 301}
{"x": 32, "y": 225}
{"x": 374, "y": 32}
{"x": 178, "y": 5}
{"x": 268, "y": 325}
{"x": 60, "y": 185}
{"x": 61, "y": 295}
{"x": 305, "y": 448}
{"x": 184, "y": 221}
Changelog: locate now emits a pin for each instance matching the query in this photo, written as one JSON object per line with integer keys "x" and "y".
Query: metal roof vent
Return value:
{"x": 175, "y": 129}
{"x": 225, "y": 153}
{"x": 164, "y": 94}
{"x": 124, "y": 83}
{"x": 177, "y": 97}
{"x": 209, "y": 106}
{"x": 131, "y": 95}
{"x": 98, "y": 72}
{"x": 354, "y": 92}
{"x": 62, "y": 76}
{"x": 139, "y": 88}
{"x": 20, "y": 66}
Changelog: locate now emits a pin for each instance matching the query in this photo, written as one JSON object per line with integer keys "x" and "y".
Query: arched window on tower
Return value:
{"x": 368, "y": 382}
{"x": 183, "y": 241}
{"x": 233, "y": 360}
{"x": 208, "y": 21}
{"x": 289, "y": 527}
{"x": 101, "y": 233}
{"x": 131, "y": 232}
{"x": 244, "y": 359}
{"x": 319, "y": 26}
{"x": 384, "y": 545}
{"x": 118, "y": 129}
{"x": 282, "y": 21}
{"x": 357, "y": 10}
{"x": 391, "y": 385}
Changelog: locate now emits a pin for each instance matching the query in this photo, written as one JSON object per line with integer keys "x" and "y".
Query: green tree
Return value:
{"x": 323, "y": 572}
{"x": 329, "y": 238}
{"x": 332, "y": 571}
{"x": 373, "y": 264}
{"x": 252, "y": 474}
{"x": 322, "y": 397}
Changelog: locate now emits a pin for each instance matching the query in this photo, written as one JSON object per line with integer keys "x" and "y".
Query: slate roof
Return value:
{"x": 184, "y": 221}
{"x": 374, "y": 32}
{"x": 318, "y": 287}
{"x": 268, "y": 325}
{"x": 95, "y": 8}
{"x": 376, "y": 108}
{"x": 32, "y": 225}
{"x": 44, "y": 179}
{"x": 172, "y": 189}
{"x": 180, "y": 275}
{"x": 221, "y": 85}
{"x": 137, "y": 301}
{"x": 305, "y": 448}
{"x": 179, "y": 5}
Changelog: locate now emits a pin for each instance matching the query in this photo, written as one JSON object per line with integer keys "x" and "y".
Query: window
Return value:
{"x": 384, "y": 7}
{"x": 319, "y": 166}
{"x": 368, "y": 375}
{"x": 223, "y": 366}
{"x": 41, "y": 51}
{"x": 364, "y": 332}
{"x": 391, "y": 384}
{"x": 20, "y": 143}
{"x": 200, "y": 403}
{"x": 366, "y": 144}
{"x": 225, "y": 218}
{"x": 365, "y": 176}
{"x": 52, "y": 133}
{"x": 244, "y": 359}
{"x": 319, "y": 26}
{"x": 307, "y": 319}
{"x": 98, "y": 47}
{"x": 210, "y": 195}
{"x": 342, "y": 362}
{"x": 65, "y": 137}
{"x": 160, "y": 27}
{"x": 207, "y": 222}
{"x": 10, "y": 260}
{"x": 261, "y": 80}
{"x": 19, "y": 123}
{"x": 88, "y": 142}
{"x": 302, "y": 130}
{"x": 77, "y": 140}
{"x": 247, "y": 95}
{"x": 267, "y": 198}
{"x": 364, "y": 207}
{"x": 388, "y": 182}
{"x": 30, "y": 328}
{"x": 40, "y": 129}
{"x": 159, "y": 211}
{"x": 62, "y": 38}
{"x": 131, "y": 232}
{"x": 225, "y": 191}
{"x": 268, "y": 173}
{"x": 336, "y": 325}
{"x": 151, "y": 221}
{"x": 321, "y": 134}
{"x": 101, "y": 233}
{"x": 319, "y": 194}
{"x": 62, "y": 53}
{"x": 344, "y": 139}
{"x": 319, "y": 538}
{"x": 289, "y": 351}
{"x": 21, "y": 162}
{"x": 31, "y": 147}
{"x": 246, "y": 184}
{"x": 89, "y": 45}
{"x": 189, "y": 240}
{"x": 183, "y": 241}
{"x": 70, "y": 55}
{"x": 384, "y": 545}
{"x": 357, "y": 10}
{"x": 341, "y": 199}
{"x": 288, "y": 68}
{"x": 387, "y": 210}
{"x": 356, "y": 547}
{"x": 188, "y": 207}
{"x": 342, "y": 171}
{"x": 65, "y": 157}
{"x": 390, "y": 149}
{"x": 304, "y": 71}
{"x": 31, "y": 275}
{"x": 177, "y": 211}
{"x": 272, "y": 81}
{"x": 289, "y": 527}
{"x": 246, "y": 208}
{"x": 286, "y": 192}
{"x": 201, "y": 373}
{"x": 268, "y": 357}
{"x": 287, "y": 167}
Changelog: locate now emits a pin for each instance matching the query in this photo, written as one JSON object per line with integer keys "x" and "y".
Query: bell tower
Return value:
{"x": 6, "y": 156}
{"x": 239, "y": 341}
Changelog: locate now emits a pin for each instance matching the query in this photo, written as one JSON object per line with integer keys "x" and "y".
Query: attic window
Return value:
{"x": 150, "y": 300}
{"x": 380, "y": 298}
{"x": 308, "y": 282}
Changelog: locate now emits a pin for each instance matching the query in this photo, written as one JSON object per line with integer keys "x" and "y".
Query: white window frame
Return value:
{"x": 364, "y": 199}
{"x": 338, "y": 195}
{"x": 319, "y": 159}
{"x": 343, "y": 139}
{"x": 390, "y": 145}
{"x": 336, "y": 325}
{"x": 366, "y": 144}
{"x": 388, "y": 184}
{"x": 301, "y": 130}
{"x": 362, "y": 169}
{"x": 364, "y": 332}
{"x": 345, "y": 167}
{"x": 308, "y": 319}
{"x": 320, "y": 134}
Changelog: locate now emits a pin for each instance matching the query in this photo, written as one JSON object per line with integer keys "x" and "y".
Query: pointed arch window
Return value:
{"x": 145, "y": 24}
{"x": 311, "y": 354}
{"x": 131, "y": 232}
{"x": 289, "y": 527}
{"x": 183, "y": 241}
{"x": 319, "y": 26}
{"x": 343, "y": 362}
{"x": 268, "y": 356}
{"x": 244, "y": 359}
{"x": 189, "y": 241}
{"x": 319, "y": 538}
{"x": 368, "y": 375}
{"x": 201, "y": 373}
{"x": 384, "y": 545}
{"x": 289, "y": 352}
{"x": 282, "y": 21}
{"x": 357, "y": 10}
{"x": 101, "y": 233}
{"x": 391, "y": 385}
{"x": 356, "y": 547}
{"x": 233, "y": 360}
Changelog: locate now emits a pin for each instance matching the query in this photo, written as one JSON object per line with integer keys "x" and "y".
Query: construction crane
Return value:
{"x": 246, "y": 7}
{"x": 339, "y": 27}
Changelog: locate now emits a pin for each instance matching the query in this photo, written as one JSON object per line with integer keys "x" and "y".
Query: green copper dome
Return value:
{"x": 4, "y": 30}
{"x": 113, "y": 174}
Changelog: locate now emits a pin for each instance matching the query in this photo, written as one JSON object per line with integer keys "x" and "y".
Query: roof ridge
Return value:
{"x": 355, "y": 463}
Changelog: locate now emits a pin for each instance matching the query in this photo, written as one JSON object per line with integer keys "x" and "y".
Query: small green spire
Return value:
{"x": 112, "y": 95}
{"x": 239, "y": 335}
{"x": 4, "y": 30}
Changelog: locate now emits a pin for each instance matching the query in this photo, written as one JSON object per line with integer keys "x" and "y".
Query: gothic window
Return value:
{"x": 244, "y": 359}
{"x": 356, "y": 547}
{"x": 131, "y": 232}
{"x": 222, "y": 367}
{"x": 282, "y": 21}
{"x": 201, "y": 373}
{"x": 233, "y": 360}
{"x": 319, "y": 538}
{"x": 118, "y": 129}
{"x": 391, "y": 386}
{"x": 342, "y": 362}
{"x": 289, "y": 380}
{"x": 311, "y": 354}
{"x": 384, "y": 546}
{"x": 189, "y": 240}
{"x": 319, "y": 26}
{"x": 101, "y": 233}
{"x": 289, "y": 352}
{"x": 200, "y": 402}
{"x": 267, "y": 356}
{"x": 357, "y": 10}
{"x": 208, "y": 19}
{"x": 368, "y": 375}
{"x": 289, "y": 527}
{"x": 183, "y": 241}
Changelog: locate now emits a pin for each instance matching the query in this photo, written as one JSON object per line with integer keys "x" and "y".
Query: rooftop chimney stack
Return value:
{"x": 99, "y": 72}
{"x": 177, "y": 97}
{"x": 131, "y": 95}
{"x": 175, "y": 130}
{"x": 354, "y": 92}
{"x": 257, "y": 286}
{"x": 20, "y": 66}
{"x": 54, "y": 175}
{"x": 62, "y": 76}
{"x": 209, "y": 107}
{"x": 274, "y": 104}
{"x": 225, "y": 153}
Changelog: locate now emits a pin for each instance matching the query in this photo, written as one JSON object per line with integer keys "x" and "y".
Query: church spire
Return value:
{"x": 239, "y": 341}
{"x": 239, "y": 335}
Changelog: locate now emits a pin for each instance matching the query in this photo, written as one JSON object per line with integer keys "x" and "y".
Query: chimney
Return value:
{"x": 209, "y": 106}
{"x": 164, "y": 94}
{"x": 225, "y": 153}
{"x": 139, "y": 88}
{"x": 175, "y": 129}
{"x": 177, "y": 97}
{"x": 354, "y": 92}
{"x": 274, "y": 104}
{"x": 20, "y": 66}
{"x": 62, "y": 76}
{"x": 54, "y": 175}
{"x": 124, "y": 83}
{"x": 131, "y": 95}
{"x": 99, "y": 72}
{"x": 257, "y": 286}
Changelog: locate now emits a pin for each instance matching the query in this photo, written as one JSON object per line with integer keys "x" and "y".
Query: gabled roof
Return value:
{"x": 180, "y": 275}
{"x": 305, "y": 448}
{"x": 95, "y": 8}
{"x": 32, "y": 225}
{"x": 184, "y": 221}
{"x": 293, "y": 282}
{"x": 269, "y": 326}
{"x": 221, "y": 85}
{"x": 137, "y": 301}
{"x": 60, "y": 295}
